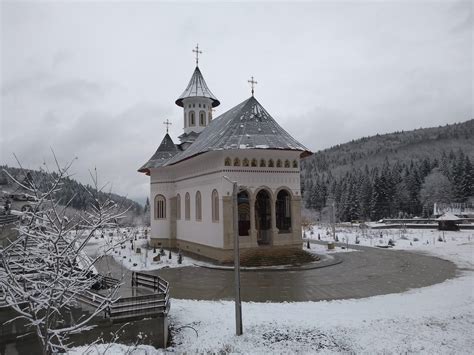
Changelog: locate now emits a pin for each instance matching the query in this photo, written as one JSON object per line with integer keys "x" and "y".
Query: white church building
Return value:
{"x": 192, "y": 206}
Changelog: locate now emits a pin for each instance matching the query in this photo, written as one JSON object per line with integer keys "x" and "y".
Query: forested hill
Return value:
{"x": 392, "y": 174}
{"x": 70, "y": 188}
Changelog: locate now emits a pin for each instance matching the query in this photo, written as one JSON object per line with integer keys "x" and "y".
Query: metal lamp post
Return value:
{"x": 238, "y": 303}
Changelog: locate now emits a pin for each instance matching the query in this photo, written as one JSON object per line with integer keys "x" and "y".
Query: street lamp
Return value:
{"x": 238, "y": 303}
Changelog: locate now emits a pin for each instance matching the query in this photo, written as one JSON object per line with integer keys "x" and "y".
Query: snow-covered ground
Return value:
{"x": 132, "y": 251}
{"x": 438, "y": 319}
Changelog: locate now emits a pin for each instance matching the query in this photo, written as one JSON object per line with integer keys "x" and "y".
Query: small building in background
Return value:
{"x": 448, "y": 222}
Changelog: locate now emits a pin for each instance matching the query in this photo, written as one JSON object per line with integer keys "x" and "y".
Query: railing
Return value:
{"x": 7, "y": 219}
{"x": 153, "y": 305}
{"x": 156, "y": 283}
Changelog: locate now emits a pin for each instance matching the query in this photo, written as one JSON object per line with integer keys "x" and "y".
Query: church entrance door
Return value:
{"x": 263, "y": 217}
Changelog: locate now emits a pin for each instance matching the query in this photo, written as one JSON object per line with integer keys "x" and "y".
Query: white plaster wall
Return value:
{"x": 273, "y": 178}
{"x": 202, "y": 173}
{"x": 194, "y": 102}
{"x": 205, "y": 173}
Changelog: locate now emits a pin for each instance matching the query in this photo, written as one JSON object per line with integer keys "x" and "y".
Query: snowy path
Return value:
{"x": 437, "y": 319}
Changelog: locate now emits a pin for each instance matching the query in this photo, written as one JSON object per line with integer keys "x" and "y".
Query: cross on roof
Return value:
{"x": 252, "y": 84}
{"x": 197, "y": 51}
{"x": 167, "y": 123}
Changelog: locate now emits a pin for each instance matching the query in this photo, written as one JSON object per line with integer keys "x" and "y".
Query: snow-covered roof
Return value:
{"x": 165, "y": 152}
{"x": 245, "y": 126}
{"x": 448, "y": 216}
{"x": 197, "y": 87}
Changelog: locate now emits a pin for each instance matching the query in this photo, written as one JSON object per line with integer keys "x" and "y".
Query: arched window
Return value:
{"x": 287, "y": 163}
{"x": 270, "y": 163}
{"x": 187, "y": 206}
{"x": 263, "y": 163}
{"x": 245, "y": 162}
{"x": 278, "y": 163}
{"x": 191, "y": 118}
{"x": 295, "y": 164}
{"x": 160, "y": 207}
{"x": 244, "y": 212}
{"x": 228, "y": 161}
{"x": 283, "y": 211}
{"x": 254, "y": 162}
{"x": 185, "y": 123}
{"x": 215, "y": 206}
{"x": 178, "y": 206}
{"x": 198, "y": 206}
{"x": 236, "y": 162}
{"x": 202, "y": 118}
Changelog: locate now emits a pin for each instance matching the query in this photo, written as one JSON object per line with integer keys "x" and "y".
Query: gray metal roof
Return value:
{"x": 246, "y": 126}
{"x": 197, "y": 87}
{"x": 165, "y": 152}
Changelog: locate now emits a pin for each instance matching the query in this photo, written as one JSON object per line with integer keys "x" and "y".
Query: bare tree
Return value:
{"x": 46, "y": 269}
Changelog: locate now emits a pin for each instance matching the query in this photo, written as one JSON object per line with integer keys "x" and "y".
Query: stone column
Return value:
{"x": 296, "y": 218}
{"x": 253, "y": 230}
{"x": 274, "y": 229}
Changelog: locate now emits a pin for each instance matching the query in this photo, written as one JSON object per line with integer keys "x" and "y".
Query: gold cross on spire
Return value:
{"x": 197, "y": 51}
{"x": 252, "y": 84}
{"x": 167, "y": 123}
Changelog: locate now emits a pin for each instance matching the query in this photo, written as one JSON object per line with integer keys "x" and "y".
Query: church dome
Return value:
{"x": 197, "y": 87}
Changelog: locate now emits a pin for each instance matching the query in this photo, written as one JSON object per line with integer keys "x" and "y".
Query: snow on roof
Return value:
{"x": 448, "y": 216}
{"x": 165, "y": 152}
{"x": 197, "y": 87}
{"x": 245, "y": 126}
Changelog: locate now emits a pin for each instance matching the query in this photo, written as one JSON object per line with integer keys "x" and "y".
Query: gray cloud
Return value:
{"x": 96, "y": 80}
{"x": 74, "y": 89}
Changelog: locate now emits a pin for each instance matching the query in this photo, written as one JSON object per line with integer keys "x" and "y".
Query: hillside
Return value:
{"x": 392, "y": 174}
{"x": 71, "y": 189}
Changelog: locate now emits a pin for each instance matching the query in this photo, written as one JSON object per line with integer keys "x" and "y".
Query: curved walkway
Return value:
{"x": 364, "y": 273}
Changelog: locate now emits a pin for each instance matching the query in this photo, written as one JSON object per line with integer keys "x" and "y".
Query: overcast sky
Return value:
{"x": 95, "y": 80}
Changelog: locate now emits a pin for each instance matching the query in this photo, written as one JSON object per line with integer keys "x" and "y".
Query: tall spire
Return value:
{"x": 197, "y": 87}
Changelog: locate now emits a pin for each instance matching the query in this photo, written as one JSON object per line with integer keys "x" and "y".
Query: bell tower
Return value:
{"x": 197, "y": 102}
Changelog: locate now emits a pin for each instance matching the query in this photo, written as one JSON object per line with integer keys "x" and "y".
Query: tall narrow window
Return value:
{"x": 295, "y": 164}
{"x": 228, "y": 161}
{"x": 187, "y": 206}
{"x": 160, "y": 207}
{"x": 263, "y": 163}
{"x": 287, "y": 163}
{"x": 198, "y": 206}
{"x": 254, "y": 162}
{"x": 215, "y": 206}
{"x": 202, "y": 118}
{"x": 191, "y": 118}
{"x": 185, "y": 121}
{"x": 236, "y": 162}
{"x": 278, "y": 163}
{"x": 178, "y": 206}
{"x": 245, "y": 162}
{"x": 270, "y": 163}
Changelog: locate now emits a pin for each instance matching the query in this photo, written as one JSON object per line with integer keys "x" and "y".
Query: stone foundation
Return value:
{"x": 220, "y": 255}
